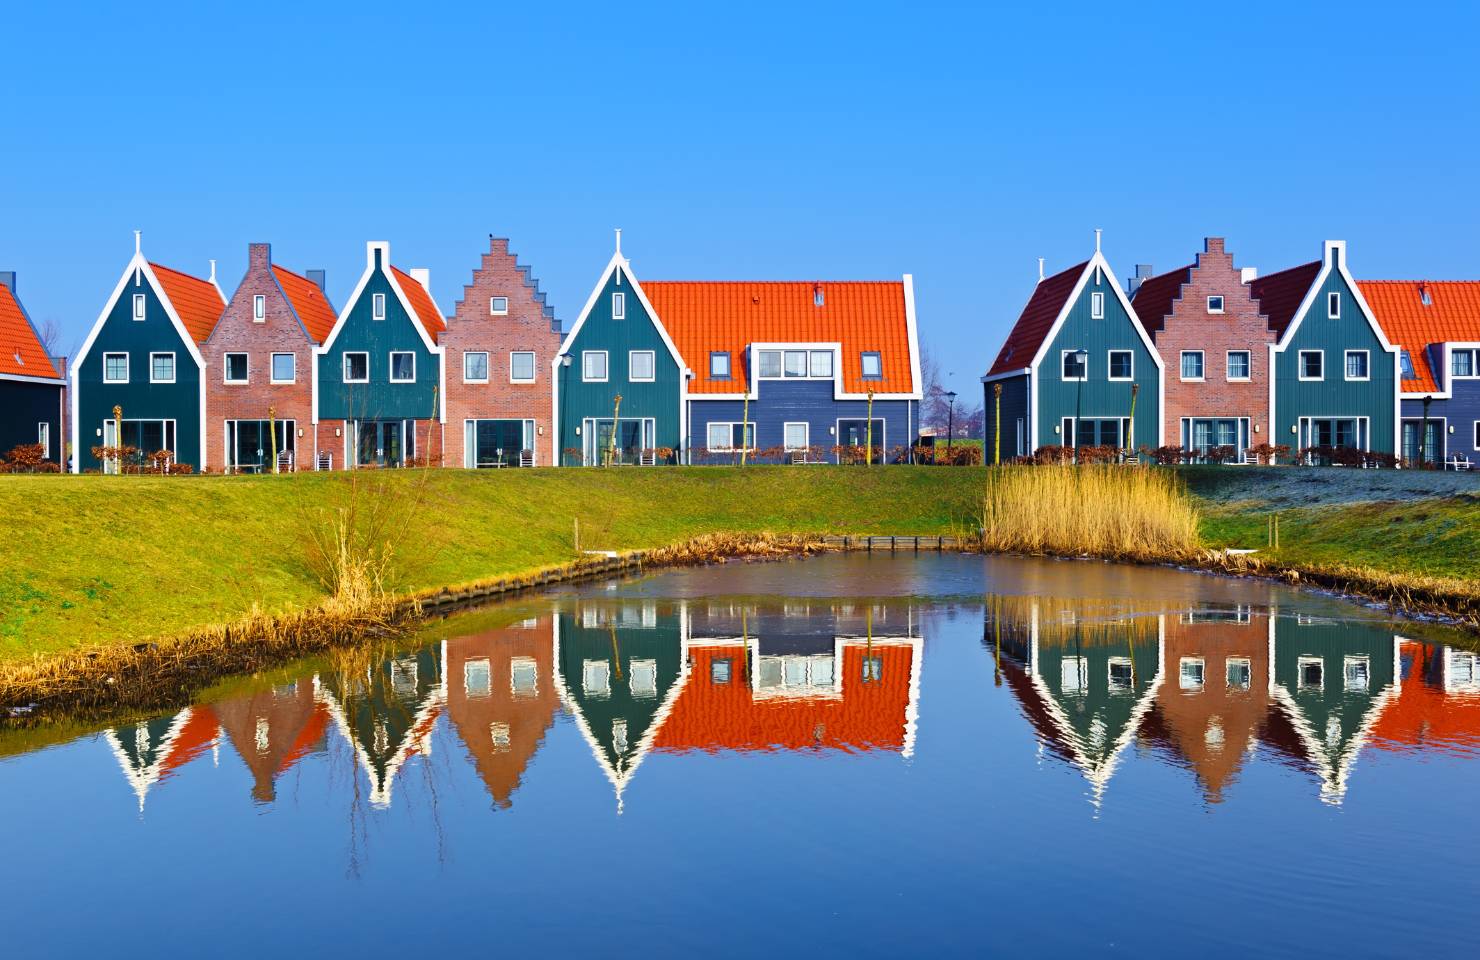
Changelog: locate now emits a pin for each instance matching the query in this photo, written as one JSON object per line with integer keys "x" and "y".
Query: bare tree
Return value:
{"x": 934, "y": 407}
{"x": 50, "y": 333}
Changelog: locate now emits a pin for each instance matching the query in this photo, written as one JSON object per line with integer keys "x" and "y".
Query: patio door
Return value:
{"x": 384, "y": 443}
{"x": 1433, "y": 450}
{"x": 632, "y": 438}
{"x": 855, "y": 433}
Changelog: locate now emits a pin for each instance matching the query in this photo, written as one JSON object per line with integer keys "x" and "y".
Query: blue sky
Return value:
{"x": 756, "y": 140}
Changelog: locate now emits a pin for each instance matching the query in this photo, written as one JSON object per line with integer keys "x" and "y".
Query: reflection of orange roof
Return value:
{"x": 421, "y": 302}
{"x": 1452, "y": 315}
{"x": 1424, "y": 714}
{"x": 193, "y": 739}
{"x": 863, "y": 316}
{"x": 197, "y": 301}
{"x": 727, "y": 716}
{"x": 18, "y": 340}
{"x": 308, "y": 302}
{"x": 312, "y": 733}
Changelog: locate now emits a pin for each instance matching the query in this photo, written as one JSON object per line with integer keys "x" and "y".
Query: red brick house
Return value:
{"x": 499, "y": 346}
{"x": 1213, "y": 337}
{"x": 259, "y": 369}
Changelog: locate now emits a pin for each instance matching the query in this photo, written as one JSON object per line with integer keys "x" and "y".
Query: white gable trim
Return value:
{"x": 385, "y": 259}
{"x": 916, "y": 387}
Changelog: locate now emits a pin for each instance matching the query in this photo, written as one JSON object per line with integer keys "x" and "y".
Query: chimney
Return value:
{"x": 423, "y": 276}
{"x": 1144, "y": 272}
{"x": 1247, "y": 275}
{"x": 259, "y": 256}
{"x": 7, "y": 280}
{"x": 316, "y": 277}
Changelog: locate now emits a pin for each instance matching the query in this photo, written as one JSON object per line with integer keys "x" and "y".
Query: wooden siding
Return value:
{"x": 25, "y": 405}
{"x": 1461, "y": 412}
{"x": 1014, "y": 408}
{"x": 779, "y": 402}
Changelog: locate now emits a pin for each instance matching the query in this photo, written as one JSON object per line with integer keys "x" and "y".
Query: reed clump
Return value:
{"x": 718, "y": 547}
{"x": 1111, "y": 511}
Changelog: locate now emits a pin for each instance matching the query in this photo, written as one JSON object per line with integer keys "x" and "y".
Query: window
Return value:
{"x": 1239, "y": 673}
{"x": 498, "y": 733}
{"x": 719, "y": 366}
{"x": 1333, "y": 306}
{"x": 284, "y": 368}
{"x": 1192, "y": 364}
{"x": 1356, "y": 673}
{"x": 1191, "y": 674}
{"x": 770, "y": 363}
{"x": 593, "y": 366}
{"x": 1356, "y": 365}
{"x": 1310, "y": 673}
{"x": 1405, "y": 361}
{"x": 873, "y": 669}
{"x": 726, "y": 436}
{"x": 643, "y": 678}
{"x": 1476, "y": 444}
{"x": 357, "y": 368}
{"x": 641, "y": 365}
{"x": 524, "y": 676}
{"x": 719, "y": 670}
{"x": 475, "y": 366}
{"x": 138, "y": 306}
{"x": 1239, "y": 364}
{"x": 1462, "y": 363}
{"x": 161, "y": 368}
{"x": 1312, "y": 365}
{"x": 1074, "y": 674}
{"x": 794, "y": 363}
{"x": 619, "y": 306}
{"x": 236, "y": 368}
{"x": 1121, "y": 364}
{"x": 521, "y": 366}
{"x": 1215, "y": 304}
{"x": 1097, "y": 306}
{"x": 822, "y": 365}
{"x": 498, "y": 306}
{"x": 377, "y": 307}
{"x": 43, "y": 437}
{"x": 259, "y": 309}
{"x": 1075, "y": 365}
{"x": 477, "y": 678}
{"x": 403, "y": 366}
{"x": 795, "y": 436}
{"x": 596, "y": 678}
{"x": 1121, "y": 674}
{"x": 873, "y": 365}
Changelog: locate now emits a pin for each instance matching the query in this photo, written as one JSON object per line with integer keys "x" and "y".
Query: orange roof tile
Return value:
{"x": 308, "y": 302}
{"x": 705, "y": 316}
{"x": 1452, "y": 315}
{"x": 197, "y": 301}
{"x": 21, "y": 352}
{"x": 422, "y": 303}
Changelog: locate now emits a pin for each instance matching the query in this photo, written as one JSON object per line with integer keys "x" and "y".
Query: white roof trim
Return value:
{"x": 618, "y": 262}
{"x": 390, "y": 274}
{"x": 138, "y": 262}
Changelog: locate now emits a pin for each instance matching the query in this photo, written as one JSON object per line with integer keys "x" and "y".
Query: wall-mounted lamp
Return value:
{"x": 578, "y": 431}
{"x": 336, "y": 431}
{"x": 1256, "y": 428}
{"x": 539, "y": 431}
{"x": 1294, "y": 429}
{"x": 300, "y": 431}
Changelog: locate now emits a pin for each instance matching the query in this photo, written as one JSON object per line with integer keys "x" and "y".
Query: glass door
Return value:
{"x": 1431, "y": 450}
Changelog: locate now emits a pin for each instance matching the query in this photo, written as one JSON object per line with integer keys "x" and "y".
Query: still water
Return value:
{"x": 882, "y": 756}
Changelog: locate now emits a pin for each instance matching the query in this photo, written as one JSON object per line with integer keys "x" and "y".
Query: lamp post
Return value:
{"x": 950, "y": 422}
{"x": 1081, "y": 363}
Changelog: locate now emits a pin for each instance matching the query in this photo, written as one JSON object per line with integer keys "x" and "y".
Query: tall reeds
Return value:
{"x": 1111, "y": 511}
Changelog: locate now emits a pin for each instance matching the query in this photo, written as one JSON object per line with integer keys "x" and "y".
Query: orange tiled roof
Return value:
{"x": 19, "y": 340}
{"x": 198, "y": 733}
{"x": 197, "y": 301}
{"x": 1425, "y": 715}
{"x": 705, "y": 316}
{"x": 421, "y": 302}
{"x": 308, "y": 301}
{"x": 1453, "y": 314}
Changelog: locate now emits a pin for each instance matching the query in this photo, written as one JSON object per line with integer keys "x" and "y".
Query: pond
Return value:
{"x": 863, "y": 755}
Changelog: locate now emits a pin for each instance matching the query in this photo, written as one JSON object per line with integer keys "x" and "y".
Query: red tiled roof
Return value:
{"x": 1153, "y": 300}
{"x": 1036, "y": 320}
{"x": 704, "y": 316}
{"x": 421, "y": 302}
{"x": 19, "y": 340}
{"x": 1280, "y": 294}
{"x": 197, "y": 301}
{"x": 1452, "y": 315}
{"x": 308, "y": 301}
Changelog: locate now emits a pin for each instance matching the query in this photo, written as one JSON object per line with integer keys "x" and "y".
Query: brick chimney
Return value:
{"x": 259, "y": 256}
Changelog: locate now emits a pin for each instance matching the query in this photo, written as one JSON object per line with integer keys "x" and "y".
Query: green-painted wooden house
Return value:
{"x": 379, "y": 377}
{"x": 142, "y": 360}
{"x": 1078, "y": 369}
{"x": 619, "y": 381}
{"x": 1334, "y": 374}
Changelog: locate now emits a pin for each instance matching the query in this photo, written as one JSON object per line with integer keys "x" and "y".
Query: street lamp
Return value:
{"x": 1081, "y": 363}
{"x": 950, "y": 422}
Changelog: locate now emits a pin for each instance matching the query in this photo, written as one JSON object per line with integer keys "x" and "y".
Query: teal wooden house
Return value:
{"x": 379, "y": 387}
{"x": 1077, "y": 370}
{"x": 619, "y": 381}
{"x": 1335, "y": 377}
{"x": 138, "y": 386}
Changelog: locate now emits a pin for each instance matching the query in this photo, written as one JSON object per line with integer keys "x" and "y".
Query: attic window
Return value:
{"x": 1333, "y": 306}
{"x": 1405, "y": 360}
{"x": 619, "y": 305}
{"x": 1097, "y": 306}
{"x": 817, "y": 297}
{"x": 138, "y": 306}
{"x": 498, "y": 306}
{"x": 1215, "y": 304}
{"x": 377, "y": 307}
{"x": 1424, "y": 297}
{"x": 259, "y": 308}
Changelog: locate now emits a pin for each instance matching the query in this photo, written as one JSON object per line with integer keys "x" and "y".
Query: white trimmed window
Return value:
{"x": 596, "y": 678}
{"x": 498, "y": 306}
{"x": 1312, "y": 365}
{"x": 822, "y": 363}
{"x": 1239, "y": 364}
{"x": 1074, "y": 365}
{"x": 284, "y": 368}
{"x": 593, "y": 366}
{"x": 1356, "y": 673}
{"x": 377, "y": 307}
{"x": 138, "y": 306}
{"x": 729, "y": 436}
{"x": 235, "y": 368}
{"x": 1122, "y": 365}
{"x": 259, "y": 309}
{"x": 641, "y": 366}
{"x": 1462, "y": 363}
{"x": 619, "y": 305}
{"x": 795, "y": 436}
{"x": 1191, "y": 676}
{"x": 1215, "y": 303}
{"x": 1192, "y": 365}
{"x": 524, "y": 676}
{"x": 475, "y": 366}
{"x": 794, "y": 363}
{"x": 161, "y": 368}
{"x": 871, "y": 363}
{"x": 403, "y": 366}
{"x": 477, "y": 677}
{"x": 115, "y": 368}
{"x": 769, "y": 364}
{"x": 1310, "y": 673}
{"x": 1238, "y": 673}
{"x": 357, "y": 367}
{"x": 1476, "y": 444}
{"x": 1357, "y": 365}
{"x": 1333, "y": 306}
{"x": 1097, "y": 306}
{"x": 521, "y": 366}
{"x": 719, "y": 365}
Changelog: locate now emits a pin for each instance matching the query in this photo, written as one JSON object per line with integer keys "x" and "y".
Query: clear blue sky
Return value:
{"x": 750, "y": 140}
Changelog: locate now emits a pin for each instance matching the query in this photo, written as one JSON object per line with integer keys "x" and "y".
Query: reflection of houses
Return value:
{"x": 151, "y": 750}
{"x": 797, "y": 678}
{"x": 501, "y": 698}
{"x": 1439, "y": 705}
{"x": 620, "y": 668}
{"x": 387, "y": 713}
{"x": 1085, "y": 677}
{"x": 272, "y": 730}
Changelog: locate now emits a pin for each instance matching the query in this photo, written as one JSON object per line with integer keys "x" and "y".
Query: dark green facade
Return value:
{"x": 1012, "y": 412}
{"x": 580, "y": 400}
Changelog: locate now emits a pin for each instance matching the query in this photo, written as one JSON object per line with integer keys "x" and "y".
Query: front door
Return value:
{"x": 380, "y": 442}
{"x": 1432, "y": 451}
{"x": 855, "y": 433}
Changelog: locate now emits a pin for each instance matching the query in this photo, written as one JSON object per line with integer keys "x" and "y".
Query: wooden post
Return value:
{"x": 997, "y": 432}
{"x": 118, "y": 439}
{"x": 272, "y": 436}
{"x": 577, "y": 522}
{"x": 616, "y": 425}
{"x": 868, "y": 432}
{"x": 744, "y": 421}
{"x": 1131, "y": 432}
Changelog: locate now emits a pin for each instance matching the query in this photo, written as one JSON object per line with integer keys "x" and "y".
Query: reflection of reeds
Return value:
{"x": 1111, "y": 511}
{"x": 1086, "y": 620}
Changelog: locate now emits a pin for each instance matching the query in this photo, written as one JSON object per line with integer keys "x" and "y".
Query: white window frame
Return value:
{"x": 1300, "y": 665}
{"x": 1333, "y": 305}
{"x": 1182, "y": 367}
{"x": 226, "y": 367}
{"x": 605, "y": 363}
{"x": 1244, "y": 662}
{"x": 1475, "y": 445}
{"x": 619, "y": 305}
{"x": 1110, "y": 366}
{"x": 468, "y": 667}
{"x": 173, "y": 369}
{"x": 1097, "y": 305}
{"x": 1202, "y": 681}
{"x": 259, "y": 308}
{"x": 116, "y": 353}
{"x": 344, "y": 366}
{"x": 1351, "y": 660}
{"x": 1474, "y": 363}
{"x": 730, "y": 425}
{"x": 1300, "y": 366}
{"x": 1221, "y": 302}
{"x": 806, "y": 435}
{"x": 729, "y": 373}
{"x": 1228, "y": 365}
{"x": 1063, "y": 354}
{"x": 43, "y": 437}
{"x": 391, "y": 370}
{"x": 863, "y": 373}
{"x": 1345, "y": 370}
{"x": 515, "y": 665}
{"x": 653, "y": 365}
{"x": 494, "y": 310}
{"x": 139, "y": 306}
{"x": 377, "y": 306}
{"x": 533, "y": 367}
{"x": 272, "y": 368}
{"x": 486, "y": 371}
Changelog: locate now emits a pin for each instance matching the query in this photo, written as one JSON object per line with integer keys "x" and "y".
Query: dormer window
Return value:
{"x": 1097, "y": 306}
{"x": 138, "y": 306}
{"x": 259, "y": 309}
{"x": 498, "y": 306}
{"x": 817, "y": 297}
{"x": 1215, "y": 304}
{"x": 619, "y": 305}
{"x": 377, "y": 307}
{"x": 1333, "y": 306}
